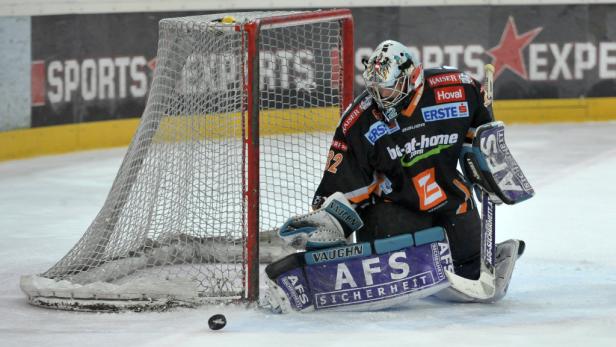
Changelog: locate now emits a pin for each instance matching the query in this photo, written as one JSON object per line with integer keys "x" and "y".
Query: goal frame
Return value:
{"x": 251, "y": 117}
{"x": 139, "y": 253}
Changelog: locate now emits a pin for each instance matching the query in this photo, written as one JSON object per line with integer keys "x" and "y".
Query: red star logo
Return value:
{"x": 508, "y": 53}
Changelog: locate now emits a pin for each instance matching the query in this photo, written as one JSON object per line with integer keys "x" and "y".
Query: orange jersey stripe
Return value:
{"x": 359, "y": 198}
{"x": 463, "y": 206}
{"x": 407, "y": 112}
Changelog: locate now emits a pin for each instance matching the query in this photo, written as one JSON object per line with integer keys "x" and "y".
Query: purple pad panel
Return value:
{"x": 378, "y": 277}
{"x": 295, "y": 286}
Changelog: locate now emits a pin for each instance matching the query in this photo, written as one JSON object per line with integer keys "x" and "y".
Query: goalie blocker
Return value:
{"x": 361, "y": 276}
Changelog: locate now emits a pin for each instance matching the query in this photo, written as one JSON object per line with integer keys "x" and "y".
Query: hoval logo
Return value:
{"x": 508, "y": 53}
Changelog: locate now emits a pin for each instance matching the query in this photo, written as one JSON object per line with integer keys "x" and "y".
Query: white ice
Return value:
{"x": 563, "y": 292}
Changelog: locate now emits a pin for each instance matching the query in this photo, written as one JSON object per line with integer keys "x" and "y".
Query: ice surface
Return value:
{"x": 563, "y": 291}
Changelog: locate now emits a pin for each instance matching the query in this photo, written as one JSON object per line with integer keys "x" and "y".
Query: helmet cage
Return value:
{"x": 392, "y": 74}
{"x": 394, "y": 94}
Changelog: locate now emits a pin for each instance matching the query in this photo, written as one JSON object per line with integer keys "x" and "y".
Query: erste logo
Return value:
{"x": 445, "y": 111}
{"x": 379, "y": 129}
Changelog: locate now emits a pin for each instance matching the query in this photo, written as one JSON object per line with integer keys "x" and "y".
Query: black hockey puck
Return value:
{"x": 217, "y": 322}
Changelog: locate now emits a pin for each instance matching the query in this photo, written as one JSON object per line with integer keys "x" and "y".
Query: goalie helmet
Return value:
{"x": 392, "y": 74}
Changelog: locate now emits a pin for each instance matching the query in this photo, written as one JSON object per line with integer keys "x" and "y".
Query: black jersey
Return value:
{"x": 411, "y": 160}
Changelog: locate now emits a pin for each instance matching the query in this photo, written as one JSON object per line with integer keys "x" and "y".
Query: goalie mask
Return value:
{"x": 392, "y": 74}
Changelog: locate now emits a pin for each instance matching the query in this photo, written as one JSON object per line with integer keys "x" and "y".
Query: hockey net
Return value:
{"x": 232, "y": 141}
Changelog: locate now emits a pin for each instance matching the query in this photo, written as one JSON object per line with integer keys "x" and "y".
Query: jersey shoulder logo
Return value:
{"x": 351, "y": 117}
{"x": 380, "y": 129}
{"x": 445, "y": 111}
{"x": 339, "y": 145}
{"x": 449, "y": 79}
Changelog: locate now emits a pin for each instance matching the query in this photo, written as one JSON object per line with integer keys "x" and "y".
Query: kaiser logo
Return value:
{"x": 449, "y": 94}
{"x": 441, "y": 80}
{"x": 449, "y": 79}
{"x": 350, "y": 119}
{"x": 353, "y": 116}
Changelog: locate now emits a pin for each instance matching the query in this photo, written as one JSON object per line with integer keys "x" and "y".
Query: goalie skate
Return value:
{"x": 507, "y": 253}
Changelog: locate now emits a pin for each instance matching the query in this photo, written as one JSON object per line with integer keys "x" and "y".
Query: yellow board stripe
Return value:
{"x": 555, "y": 110}
{"x": 25, "y": 143}
{"x": 229, "y": 125}
{"x": 66, "y": 138}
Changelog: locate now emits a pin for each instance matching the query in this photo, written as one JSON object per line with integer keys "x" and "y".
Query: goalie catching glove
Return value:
{"x": 326, "y": 227}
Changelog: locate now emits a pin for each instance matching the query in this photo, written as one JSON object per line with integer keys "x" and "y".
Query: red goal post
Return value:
{"x": 252, "y": 139}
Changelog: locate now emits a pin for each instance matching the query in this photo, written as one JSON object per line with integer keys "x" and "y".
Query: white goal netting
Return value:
{"x": 173, "y": 229}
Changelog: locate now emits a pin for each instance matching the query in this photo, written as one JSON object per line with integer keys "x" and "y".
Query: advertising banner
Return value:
{"x": 539, "y": 52}
{"x": 92, "y": 67}
{"x": 99, "y": 66}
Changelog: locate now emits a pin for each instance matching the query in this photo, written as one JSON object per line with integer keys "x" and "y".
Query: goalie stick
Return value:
{"x": 483, "y": 288}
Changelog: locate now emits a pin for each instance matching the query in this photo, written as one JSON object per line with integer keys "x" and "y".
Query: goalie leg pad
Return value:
{"x": 325, "y": 227}
{"x": 362, "y": 276}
